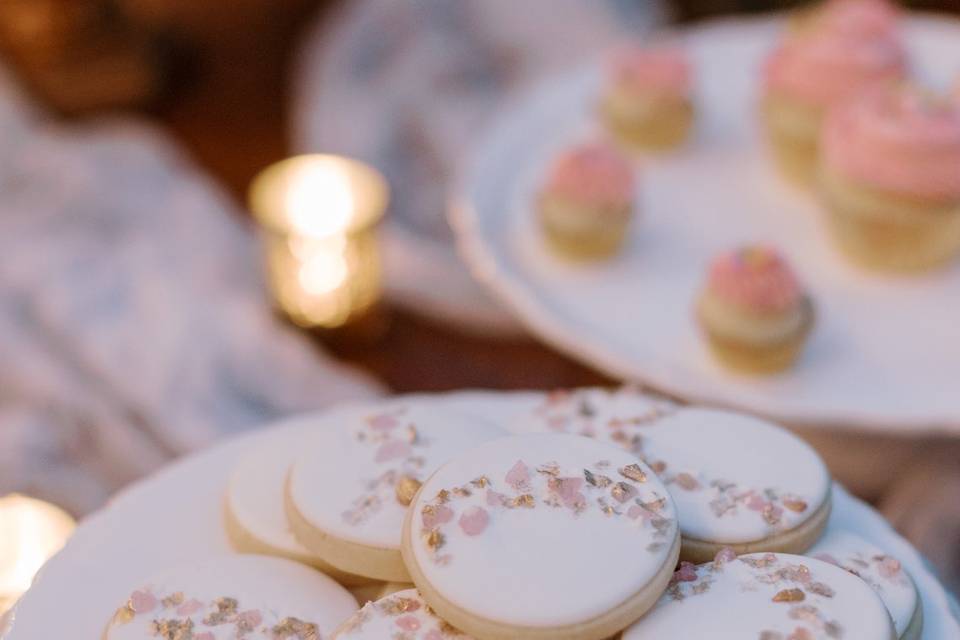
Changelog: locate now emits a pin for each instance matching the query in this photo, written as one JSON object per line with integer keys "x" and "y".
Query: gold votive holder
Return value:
{"x": 319, "y": 215}
{"x": 31, "y": 532}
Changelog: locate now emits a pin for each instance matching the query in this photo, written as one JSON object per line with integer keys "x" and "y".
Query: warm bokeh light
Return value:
{"x": 318, "y": 213}
{"x": 31, "y": 531}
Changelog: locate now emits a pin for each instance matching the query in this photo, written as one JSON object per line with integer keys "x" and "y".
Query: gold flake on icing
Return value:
{"x": 633, "y": 472}
{"x": 596, "y": 479}
{"x": 406, "y": 489}
{"x": 789, "y": 595}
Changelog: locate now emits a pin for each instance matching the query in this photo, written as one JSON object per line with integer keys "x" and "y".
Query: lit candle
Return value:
{"x": 319, "y": 213}
{"x": 31, "y": 531}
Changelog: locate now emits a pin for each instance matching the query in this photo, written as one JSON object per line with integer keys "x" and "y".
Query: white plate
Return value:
{"x": 884, "y": 354}
{"x": 174, "y": 517}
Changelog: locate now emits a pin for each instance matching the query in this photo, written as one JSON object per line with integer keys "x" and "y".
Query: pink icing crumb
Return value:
{"x": 897, "y": 140}
{"x": 392, "y": 450}
{"x": 436, "y": 516}
{"x": 635, "y": 511}
{"x": 756, "y": 278}
{"x": 189, "y": 608}
{"x": 518, "y": 476}
{"x": 663, "y": 69}
{"x": 143, "y": 602}
{"x": 434, "y": 634}
{"x": 824, "y": 69}
{"x": 593, "y": 174}
{"x": 474, "y": 521}
{"x": 408, "y": 623}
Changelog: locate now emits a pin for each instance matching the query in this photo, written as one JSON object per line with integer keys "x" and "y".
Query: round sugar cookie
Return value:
{"x": 765, "y": 596}
{"x": 403, "y": 615}
{"x": 233, "y": 597}
{"x": 349, "y": 488}
{"x": 254, "y": 516}
{"x": 881, "y": 571}
{"x": 737, "y": 481}
{"x": 541, "y": 536}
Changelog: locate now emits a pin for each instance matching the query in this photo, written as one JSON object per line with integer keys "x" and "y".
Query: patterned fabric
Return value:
{"x": 133, "y": 323}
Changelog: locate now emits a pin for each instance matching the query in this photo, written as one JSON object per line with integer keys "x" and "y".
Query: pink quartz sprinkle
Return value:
{"x": 686, "y": 573}
{"x": 434, "y": 634}
{"x": 408, "y": 623}
{"x": 725, "y": 555}
{"x": 687, "y": 482}
{"x": 250, "y": 619}
{"x": 189, "y": 608}
{"x": 383, "y": 422}
{"x": 474, "y": 521}
{"x": 436, "y": 516}
{"x": 757, "y": 503}
{"x": 392, "y": 450}
{"x": 889, "y": 567}
{"x": 143, "y": 602}
{"x": 495, "y": 499}
{"x": 568, "y": 490}
{"x": 518, "y": 476}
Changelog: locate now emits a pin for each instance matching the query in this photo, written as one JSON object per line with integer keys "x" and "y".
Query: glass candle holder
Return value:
{"x": 31, "y": 531}
{"x": 319, "y": 215}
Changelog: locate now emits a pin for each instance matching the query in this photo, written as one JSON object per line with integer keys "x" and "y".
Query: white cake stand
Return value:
{"x": 175, "y": 517}
{"x": 885, "y": 353}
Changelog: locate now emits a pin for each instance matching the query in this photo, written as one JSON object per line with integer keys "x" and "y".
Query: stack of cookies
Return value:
{"x": 588, "y": 514}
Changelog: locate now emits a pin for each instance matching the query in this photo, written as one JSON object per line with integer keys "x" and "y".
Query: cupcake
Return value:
{"x": 646, "y": 103}
{"x": 753, "y": 311}
{"x": 809, "y": 74}
{"x": 890, "y": 179}
{"x": 586, "y": 202}
{"x": 853, "y": 18}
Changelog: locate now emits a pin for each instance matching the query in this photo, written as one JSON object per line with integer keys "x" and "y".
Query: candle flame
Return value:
{"x": 319, "y": 200}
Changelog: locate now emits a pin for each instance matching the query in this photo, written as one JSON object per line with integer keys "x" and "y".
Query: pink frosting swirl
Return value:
{"x": 661, "y": 69}
{"x": 756, "y": 278}
{"x": 859, "y": 18}
{"x": 825, "y": 68}
{"x": 593, "y": 174}
{"x": 898, "y": 140}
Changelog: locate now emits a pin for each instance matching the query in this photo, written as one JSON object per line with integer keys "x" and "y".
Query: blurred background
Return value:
{"x": 135, "y": 323}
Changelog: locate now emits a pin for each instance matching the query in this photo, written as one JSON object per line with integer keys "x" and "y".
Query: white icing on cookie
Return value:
{"x": 255, "y": 493}
{"x": 351, "y": 481}
{"x": 542, "y": 530}
{"x": 238, "y": 597}
{"x": 881, "y": 571}
{"x": 401, "y": 616}
{"x": 734, "y": 478}
{"x": 765, "y": 597}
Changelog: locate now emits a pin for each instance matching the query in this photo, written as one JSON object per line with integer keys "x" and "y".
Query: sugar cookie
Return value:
{"x": 403, "y": 615}
{"x": 233, "y": 597}
{"x": 254, "y": 517}
{"x": 881, "y": 571}
{"x": 348, "y": 490}
{"x": 541, "y": 536}
{"x": 737, "y": 481}
{"x": 765, "y": 596}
